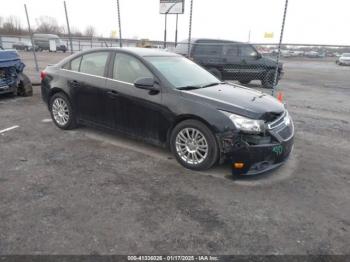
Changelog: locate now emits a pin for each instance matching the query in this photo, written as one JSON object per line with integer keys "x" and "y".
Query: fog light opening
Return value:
{"x": 238, "y": 165}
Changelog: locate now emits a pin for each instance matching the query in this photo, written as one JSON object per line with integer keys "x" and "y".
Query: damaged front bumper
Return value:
{"x": 255, "y": 154}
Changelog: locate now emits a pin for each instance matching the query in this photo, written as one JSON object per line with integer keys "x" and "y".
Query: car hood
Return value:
{"x": 345, "y": 58}
{"x": 239, "y": 100}
{"x": 271, "y": 62}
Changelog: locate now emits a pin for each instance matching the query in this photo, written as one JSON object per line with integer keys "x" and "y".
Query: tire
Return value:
{"x": 215, "y": 72}
{"x": 25, "y": 86}
{"x": 244, "y": 82}
{"x": 267, "y": 81}
{"x": 206, "y": 150}
{"x": 62, "y": 112}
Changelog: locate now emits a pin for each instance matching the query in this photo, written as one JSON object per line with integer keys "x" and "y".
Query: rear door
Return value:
{"x": 88, "y": 84}
{"x": 232, "y": 60}
{"x": 208, "y": 55}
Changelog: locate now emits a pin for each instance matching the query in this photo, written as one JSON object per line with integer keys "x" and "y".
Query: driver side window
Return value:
{"x": 128, "y": 69}
{"x": 247, "y": 51}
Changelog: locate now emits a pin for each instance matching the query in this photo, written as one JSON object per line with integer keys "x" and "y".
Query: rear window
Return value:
{"x": 75, "y": 63}
{"x": 208, "y": 49}
{"x": 94, "y": 63}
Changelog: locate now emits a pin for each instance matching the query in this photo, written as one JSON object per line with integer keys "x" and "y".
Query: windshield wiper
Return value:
{"x": 188, "y": 87}
{"x": 213, "y": 84}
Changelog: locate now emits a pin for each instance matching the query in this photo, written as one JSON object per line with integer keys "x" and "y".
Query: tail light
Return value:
{"x": 43, "y": 74}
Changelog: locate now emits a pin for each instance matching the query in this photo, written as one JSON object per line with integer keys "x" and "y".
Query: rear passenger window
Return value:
{"x": 231, "y": 50}
{"x": 208, "y": 49}
{"x": 75, "y": 63}
{"x": 128, "y": 69}
{"x": 94, "y": 63}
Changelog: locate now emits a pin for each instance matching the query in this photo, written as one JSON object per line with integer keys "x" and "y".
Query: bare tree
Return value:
{"x": 90, "y": 31}
{"x": 12, "y": 25}
{"x": 48, "y": 25}
{"x": 75, "y": 32}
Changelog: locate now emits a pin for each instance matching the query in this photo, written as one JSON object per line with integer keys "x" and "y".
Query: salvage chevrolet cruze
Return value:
{"x": 168, "y": 100}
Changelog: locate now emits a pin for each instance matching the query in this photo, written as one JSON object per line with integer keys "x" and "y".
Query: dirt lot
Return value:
{"x": 91, "y": 192}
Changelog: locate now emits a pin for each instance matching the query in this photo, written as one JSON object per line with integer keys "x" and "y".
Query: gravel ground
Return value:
{"x": 88, "y": 191}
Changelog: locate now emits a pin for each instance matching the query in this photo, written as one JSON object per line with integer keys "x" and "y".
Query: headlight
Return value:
{"x": 246, "y": 125}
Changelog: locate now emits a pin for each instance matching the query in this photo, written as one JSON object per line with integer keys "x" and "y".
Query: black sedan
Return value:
{"x": 168, "y": 100}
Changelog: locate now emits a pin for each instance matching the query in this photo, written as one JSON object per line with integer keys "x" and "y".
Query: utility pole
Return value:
{"x": 31, "y": 38}
{"x": 119, "y": 24}
{"x": 279, "y": 46}
{"x": 190, "y": 31}
{"x": 69, "y": 34}
{"x": 177, "y": 18}
{"x": 165, "y": 25}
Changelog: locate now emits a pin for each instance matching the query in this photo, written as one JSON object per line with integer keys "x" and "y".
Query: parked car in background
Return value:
{"x": 344, "y": 59}
{"x": 168, "y": 100}
{"x": 25, "y": 46}
{"x": 314, "y": 54}
{"x": 12, "y": 78}
{"x": 229, "y": 60}
{"x": 43, "y": 42}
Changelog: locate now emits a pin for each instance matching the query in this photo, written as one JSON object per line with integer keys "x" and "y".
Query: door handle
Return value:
{"x": 112, "y": 93}
{"x": 73, "y": 83}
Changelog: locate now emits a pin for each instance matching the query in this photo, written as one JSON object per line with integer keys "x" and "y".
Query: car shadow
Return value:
{"x": 222, "y": 171}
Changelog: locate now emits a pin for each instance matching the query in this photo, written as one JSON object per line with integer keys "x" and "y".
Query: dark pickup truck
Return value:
{"x": 12, "y": 78}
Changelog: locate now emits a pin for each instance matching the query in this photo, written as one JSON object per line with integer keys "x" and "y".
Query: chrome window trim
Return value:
{"x": 102, "y": 77}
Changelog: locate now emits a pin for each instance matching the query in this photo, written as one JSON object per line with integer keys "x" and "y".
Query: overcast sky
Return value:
{"x": 308, "y": 21}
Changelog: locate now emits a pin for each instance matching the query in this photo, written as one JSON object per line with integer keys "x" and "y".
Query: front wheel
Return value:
{"x": 62, "y": 112}
{"x": 269, "y": 78}
{"x": 194, "y": 145}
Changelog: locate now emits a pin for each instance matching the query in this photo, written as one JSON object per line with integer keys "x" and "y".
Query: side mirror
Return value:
{"x": 146, "y": 83}
{"x": 258, "y": 56}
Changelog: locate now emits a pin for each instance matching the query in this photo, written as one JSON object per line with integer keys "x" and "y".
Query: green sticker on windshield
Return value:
{"x": 277, "y": 149}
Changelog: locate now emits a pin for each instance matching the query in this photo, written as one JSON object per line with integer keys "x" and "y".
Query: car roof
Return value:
{"x": 210, "y": 40}
{"x": 143, "y": 52}
{"x": 138, "y": 51}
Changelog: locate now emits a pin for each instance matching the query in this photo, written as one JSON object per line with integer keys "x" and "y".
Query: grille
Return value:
{"x": 285, "y": 132}
{"x": 277, "y": 122}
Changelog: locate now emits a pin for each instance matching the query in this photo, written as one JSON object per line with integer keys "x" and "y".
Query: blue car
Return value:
{"x": 12, "y": 78}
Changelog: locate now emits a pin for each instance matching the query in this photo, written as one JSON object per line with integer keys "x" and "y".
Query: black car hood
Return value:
{"x": 239, "y": 100}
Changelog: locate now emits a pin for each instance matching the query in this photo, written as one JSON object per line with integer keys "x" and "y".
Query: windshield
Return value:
{"x": 182, "y": 72}
{"x": 346, "y": 55}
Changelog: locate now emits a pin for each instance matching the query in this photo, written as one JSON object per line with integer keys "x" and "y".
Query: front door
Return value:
{"x": 137, "y": 112}
{"x": 250, "y": 63}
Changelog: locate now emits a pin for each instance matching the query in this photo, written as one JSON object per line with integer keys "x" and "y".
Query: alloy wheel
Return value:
{"x": 191, "y": 146}
{"x": 60, "y": 111}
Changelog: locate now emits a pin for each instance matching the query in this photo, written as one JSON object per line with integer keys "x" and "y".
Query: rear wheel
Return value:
{"x": 194, "y": 145}
{"x": 62, "y": 112}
